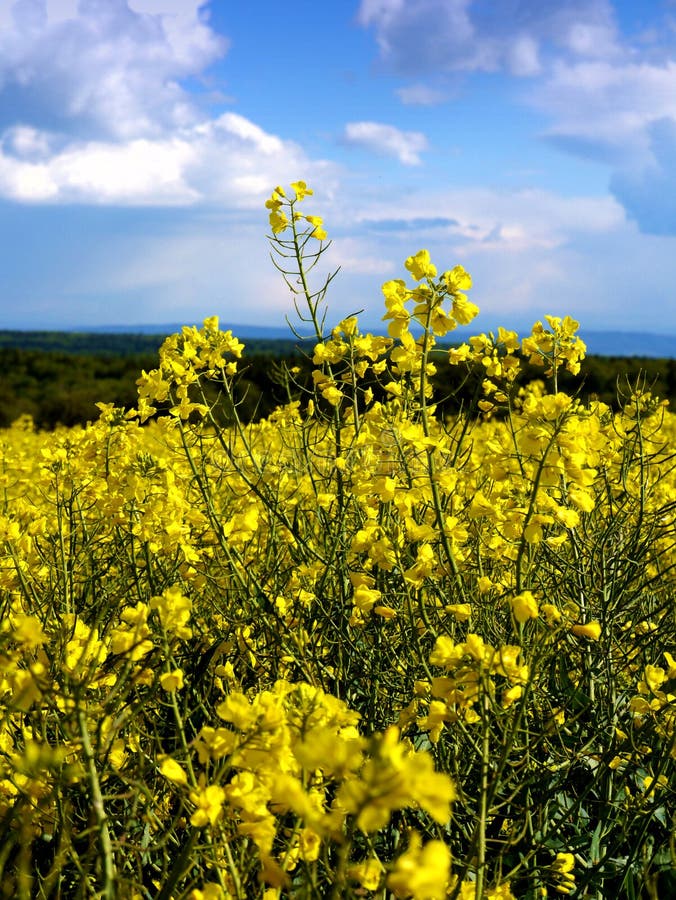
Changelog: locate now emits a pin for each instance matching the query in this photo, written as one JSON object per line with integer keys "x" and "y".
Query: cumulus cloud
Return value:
{"x": 623, "y": 114}
{"x": 431, "y": 36}
{"x": 386, "y": 140}
{"x": 604, "y": 110}
{"x": 103, "y": 68}
{"x": 609, "y": 97}
{"x": 104, "y": 118}
{"x": 27, "y": 142}
{"x": 228, "y": 160}
{"x": 139, "y": 171}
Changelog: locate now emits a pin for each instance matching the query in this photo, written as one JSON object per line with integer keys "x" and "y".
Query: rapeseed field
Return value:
{"x": 354, "y": 650}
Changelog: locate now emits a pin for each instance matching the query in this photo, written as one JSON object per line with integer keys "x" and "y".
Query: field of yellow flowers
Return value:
{"x": 352, "y": 650}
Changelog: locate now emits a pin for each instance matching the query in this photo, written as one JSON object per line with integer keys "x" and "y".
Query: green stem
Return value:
{"x": 99, "y": 810}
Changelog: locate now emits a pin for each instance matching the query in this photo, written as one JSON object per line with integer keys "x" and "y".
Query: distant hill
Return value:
{"x": 100, "y": 343}
{"x": 599, "y": 343}
{"x": 629, "y": 343}
{"x": 137, "y": 339}
{"x": 264, "y": 332}
{"x": 103, "y": 342}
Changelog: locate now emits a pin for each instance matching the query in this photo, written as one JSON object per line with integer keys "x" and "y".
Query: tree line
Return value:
{"x": 59, "y": 387}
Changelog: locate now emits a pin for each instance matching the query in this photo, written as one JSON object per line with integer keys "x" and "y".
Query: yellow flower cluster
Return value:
{"x": 352, "y": 649}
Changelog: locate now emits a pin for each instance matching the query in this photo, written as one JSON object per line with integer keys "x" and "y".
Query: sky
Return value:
{"x": 533, "y": 143}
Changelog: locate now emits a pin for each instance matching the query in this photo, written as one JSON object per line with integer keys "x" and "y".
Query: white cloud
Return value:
{"x": 591, "y": 39}
{"x": 516, "y": 244}
{"x": 165, "y": 7}
{"x": 387, "y": 140}
{"x": 197, "y": 268}
{"x": 420, "y": 95}
{"x": 624, "y": 115}
{"x": 606, "y": 108}
{"x": 229, "y": 160}
{"x": 137, "y": 172}
{"x": 26, "y": 181}
{"x": 530, "y": 252}
{"x": 57, "y": 10}
{"x": 523, "y": 56}
{"x": 486, "y": 218}
{"x": 60, "y": 10}
{"x": 466, "y": 35}
{"x": 27, "y": 142}
{"x": 104, "y": 119}
{"x": 249, "y": 133}
{"x": 592, "y": 278}
{"x": 105, "y": 75}
{"x": 113, "y": 70}
{"x": 609, "y": 97}
{"x": 357, "y": 257}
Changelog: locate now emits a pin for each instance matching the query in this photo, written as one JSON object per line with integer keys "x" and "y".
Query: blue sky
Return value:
{"x": 534, "y": 143}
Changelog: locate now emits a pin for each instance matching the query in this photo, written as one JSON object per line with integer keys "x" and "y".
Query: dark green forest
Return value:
{"x": 57, "y": 378}
{"x": 116, "y": 344}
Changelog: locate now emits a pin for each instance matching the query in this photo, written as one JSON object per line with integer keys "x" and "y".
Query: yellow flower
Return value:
{"x": 174, "y": 611}
{"x": 365, "y": 598}
{"x": 301, "y": 189}
{"x": 275, "y": 200}
{"x": 476, "y": 647}
{"x": 332, "y": 395}
{"x": 551, "y": 613}
{"x": 350, "y": 328}
{"x": 309, "y": 844}
{"x": 421, "y": 872}
{"x": 582, "y": 499}
{"x": 367, "y": 873}
{"x": 172, "y": 681}
{"x": 396, "y": 777}
{"x": 173, "y": 772}
{"x": 463, "y": 310}
{"x": 318, "y": 231}
{"x": 420, "y": 265}
{"x": 209, "y": 891}
{"x": 524, "y": 607}
{"x": 446, "y": 652}
{"x": 461, "y": 611}
{"x": 385, "y": 612}
{"x": 591, "y": 630}
{"x": 501, "y": 892}
{"x": 562, "y": 873}
{"x": 457, "y": 279}
{"x": 237, "y": 709}
{"x": 84, "y": 648}
{"x": 27, "y": 631}
{"x": 278, "y": 221}
{"x": 653, "y": 679}
{"x": 671, "y": 662}
{"x": 511, "y": 695}
{"x": 209, "y": 803}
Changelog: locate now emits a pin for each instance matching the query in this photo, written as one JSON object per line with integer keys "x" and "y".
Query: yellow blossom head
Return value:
{"x": 420, "y": 265}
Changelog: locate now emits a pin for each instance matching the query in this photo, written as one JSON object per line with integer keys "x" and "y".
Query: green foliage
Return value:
{"x": 63, "y": 387}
